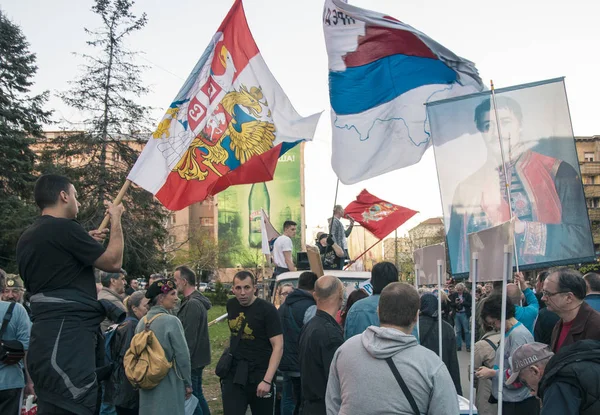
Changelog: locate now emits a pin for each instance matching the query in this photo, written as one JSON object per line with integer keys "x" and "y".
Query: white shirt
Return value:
{"x": 282, "y": 244}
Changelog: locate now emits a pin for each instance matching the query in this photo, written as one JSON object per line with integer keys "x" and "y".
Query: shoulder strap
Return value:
{"x": 6, "y": 319}
{"x": 147, "y": 323}
{"x": 491, "y": 343}
{"x": 403, "y": 386}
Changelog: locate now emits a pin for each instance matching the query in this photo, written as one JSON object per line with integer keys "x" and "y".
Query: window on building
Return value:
{"x": 171, "y": 239}
{"x": 173, "y": 219}
{"x": 593, "y": 202}
{"x": 116, "y": 156}
{"x": 588, "y": 156}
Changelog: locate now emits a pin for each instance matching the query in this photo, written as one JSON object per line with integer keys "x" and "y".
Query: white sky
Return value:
{"x": 512, "y": 42}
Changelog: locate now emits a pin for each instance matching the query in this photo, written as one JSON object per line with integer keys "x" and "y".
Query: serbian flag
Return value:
{"x": 268, "y": 232}
{"x": 228, "y": 124}
{"x": 376, "y": 215}
{"x": 381, "y": 73}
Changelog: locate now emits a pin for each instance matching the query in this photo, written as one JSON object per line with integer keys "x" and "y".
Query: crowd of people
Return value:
{"x": 75, "y": 332}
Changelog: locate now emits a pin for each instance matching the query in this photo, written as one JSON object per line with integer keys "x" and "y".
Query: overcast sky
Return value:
{"x": 511, "y": 42}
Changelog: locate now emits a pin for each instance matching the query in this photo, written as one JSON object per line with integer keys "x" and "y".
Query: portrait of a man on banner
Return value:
{"x": 538, "y": 164}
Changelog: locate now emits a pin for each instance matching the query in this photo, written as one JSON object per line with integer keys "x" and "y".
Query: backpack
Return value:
{"x": 145, "y": 362}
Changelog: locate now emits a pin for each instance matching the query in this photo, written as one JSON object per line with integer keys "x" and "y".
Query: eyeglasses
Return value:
{"x": 549, "y": 294}
{"x": 285, "y": 294}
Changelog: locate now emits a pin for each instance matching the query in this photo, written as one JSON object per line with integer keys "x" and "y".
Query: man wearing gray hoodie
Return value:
{"x": 360, "y": 380}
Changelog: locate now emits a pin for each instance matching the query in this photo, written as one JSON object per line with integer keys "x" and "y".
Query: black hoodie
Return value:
{"x": 291, "y": 314}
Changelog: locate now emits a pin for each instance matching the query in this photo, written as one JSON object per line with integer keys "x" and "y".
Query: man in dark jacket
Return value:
{"x": 460, "y": 302}
{"x": 292, "y": 314}
{"x": 429, "y": 337}
{"x": 564, "y": 292}
{"x": 193, "y": 314}
{"x": 568, "y": 383}
{"x": 319, "y": 341}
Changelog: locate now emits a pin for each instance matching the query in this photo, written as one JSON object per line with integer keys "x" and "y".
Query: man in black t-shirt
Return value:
{"x": 332, "y": 255}
{"x": 56, "y": 259}
{"x": 258, "y": 353}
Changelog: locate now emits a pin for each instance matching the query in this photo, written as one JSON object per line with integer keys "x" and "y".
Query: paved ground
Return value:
{"x": 464, "y": 361}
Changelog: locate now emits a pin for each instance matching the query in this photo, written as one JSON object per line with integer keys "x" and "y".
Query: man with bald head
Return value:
{"x": 516, "y": 292}
{"x": 319, "y": 341}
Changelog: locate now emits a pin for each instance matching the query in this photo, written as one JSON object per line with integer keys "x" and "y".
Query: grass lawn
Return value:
{"x": 219, "y": 339}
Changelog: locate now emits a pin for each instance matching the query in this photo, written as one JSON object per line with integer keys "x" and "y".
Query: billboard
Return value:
{"x": 239, "y": 212}
{"x": 530, "y": 169}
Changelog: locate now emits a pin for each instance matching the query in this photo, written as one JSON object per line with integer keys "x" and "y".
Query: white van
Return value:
{"x": 350, "y": 279}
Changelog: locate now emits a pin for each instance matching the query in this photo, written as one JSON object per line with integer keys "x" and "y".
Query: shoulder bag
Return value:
{"x": 224, "y": 365}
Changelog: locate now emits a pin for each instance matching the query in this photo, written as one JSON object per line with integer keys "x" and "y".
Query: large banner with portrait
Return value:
{"x": 534, "y": 154}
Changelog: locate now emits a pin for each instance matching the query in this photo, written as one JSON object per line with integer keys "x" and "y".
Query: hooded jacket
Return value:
{"x": 429, "y": 337}
{"x": 194, "y": 319}
{"x": 361, "y": 382}
{"x": 291, "y": 314}
{"x": 576, "y": 368}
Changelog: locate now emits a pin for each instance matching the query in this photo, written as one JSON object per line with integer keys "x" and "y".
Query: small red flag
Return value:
{"x": 376, "y": 215}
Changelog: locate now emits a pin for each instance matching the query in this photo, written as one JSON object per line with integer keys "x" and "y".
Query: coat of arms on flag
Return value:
{"x": 378, "y": 216}
{"x": 228, "y": 124}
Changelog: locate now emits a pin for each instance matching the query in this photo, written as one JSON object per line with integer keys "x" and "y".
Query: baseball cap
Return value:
{"x": 525, "y": 356}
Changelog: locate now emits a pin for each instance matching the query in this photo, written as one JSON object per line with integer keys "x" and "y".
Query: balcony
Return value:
{"x": 594, "y": 214}
{"x": 590, "y": 168}
{"x": 591, "y": 190}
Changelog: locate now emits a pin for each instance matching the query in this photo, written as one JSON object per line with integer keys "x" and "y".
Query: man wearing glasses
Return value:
{"x": 564, "y": 291}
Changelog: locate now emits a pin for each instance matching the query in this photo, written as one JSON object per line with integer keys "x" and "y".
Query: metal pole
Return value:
{"x": 396, "y": 248}
{"x": 417, "y": 268}
{"x": 507, "y": 183}
{"x": 474, "y": 269}
{"x": 507, "y": 270}
{"x": 440, "y": 264}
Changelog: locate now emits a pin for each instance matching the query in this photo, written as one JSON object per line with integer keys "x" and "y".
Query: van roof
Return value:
{"x": 359, "y": 275}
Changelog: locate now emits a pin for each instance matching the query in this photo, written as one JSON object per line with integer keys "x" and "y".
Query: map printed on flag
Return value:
{"x": 381, "y": 73}
{"x": 228, "y": 124}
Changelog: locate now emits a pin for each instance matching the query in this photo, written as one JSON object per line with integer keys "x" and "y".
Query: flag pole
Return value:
{"x": 504, "y": 170}
{"x": 117, "y": 200}
{"x": 361, "y": 255}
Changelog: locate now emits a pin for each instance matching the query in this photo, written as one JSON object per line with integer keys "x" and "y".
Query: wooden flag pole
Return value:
{"x": 361, "y": 255}
{"x": 117, "y": 200}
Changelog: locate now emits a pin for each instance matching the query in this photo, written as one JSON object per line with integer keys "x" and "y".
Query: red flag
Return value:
{"x": 376, "y": 215}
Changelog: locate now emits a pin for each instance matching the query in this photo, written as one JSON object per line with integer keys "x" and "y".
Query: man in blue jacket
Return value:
{"x": 528, "y": 314}
{"x": 592, "y": 282}
{"x": 364, "y": 312}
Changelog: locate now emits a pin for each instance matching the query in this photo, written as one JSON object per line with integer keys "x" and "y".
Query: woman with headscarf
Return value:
{"x": 169, "y": 396}
{"x": 118, "y": 390}
{"x": 429, "y": 337}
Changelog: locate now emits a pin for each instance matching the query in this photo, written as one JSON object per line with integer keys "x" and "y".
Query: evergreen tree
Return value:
{"x": 21, "y": 116}
{"x": 98, "y": 158}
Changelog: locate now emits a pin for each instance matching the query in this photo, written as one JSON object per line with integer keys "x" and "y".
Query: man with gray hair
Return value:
{"x": 338, "y": 233}
{"x": 319, "y": 340}
{"x": 366, "y": 369}
{"x": 113, "y": 288}
{"x": 460, "y": 302}
{"x": 564, "y": 292}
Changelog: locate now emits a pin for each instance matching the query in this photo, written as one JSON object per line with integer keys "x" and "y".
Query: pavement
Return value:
{"x": 464, "y": 359}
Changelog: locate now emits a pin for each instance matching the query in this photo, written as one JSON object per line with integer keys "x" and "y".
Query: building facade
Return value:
{"x": 588, "y": 153}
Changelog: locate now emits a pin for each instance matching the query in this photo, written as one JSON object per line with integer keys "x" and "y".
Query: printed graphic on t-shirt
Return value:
{"x": 236, "y": 324}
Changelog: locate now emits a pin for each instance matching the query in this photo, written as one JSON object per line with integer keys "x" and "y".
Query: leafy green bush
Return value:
{"x": 220, "y": 296}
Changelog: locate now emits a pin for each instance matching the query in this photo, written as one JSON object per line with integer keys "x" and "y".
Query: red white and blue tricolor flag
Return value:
{"x": 228, "y": 125}
{"x": 381, "y": 74}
